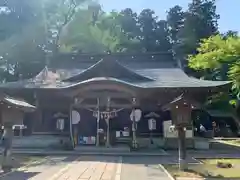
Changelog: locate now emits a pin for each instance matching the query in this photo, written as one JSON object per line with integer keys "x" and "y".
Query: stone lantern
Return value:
{"x": 12, "y": 111}
{"x": 181, "y": 109}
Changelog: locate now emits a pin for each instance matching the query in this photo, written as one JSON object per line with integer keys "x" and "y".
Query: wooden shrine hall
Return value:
{"x": 100, "y": 98}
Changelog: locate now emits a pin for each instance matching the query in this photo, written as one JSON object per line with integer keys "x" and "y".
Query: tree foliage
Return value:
{"x": 218, "y": 58}
{"x": 15, "y": 15}
{"x": 200, "y": 22}
{"x": 218, "y": 55}
{"x": 175, "y": 21}
{"x": 35, "y": 31}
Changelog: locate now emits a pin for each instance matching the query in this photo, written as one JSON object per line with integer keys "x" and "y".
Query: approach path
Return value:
{"x": 92, "y": 168}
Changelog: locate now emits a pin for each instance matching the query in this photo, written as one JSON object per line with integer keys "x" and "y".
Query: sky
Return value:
{"x": 226, "y": 9}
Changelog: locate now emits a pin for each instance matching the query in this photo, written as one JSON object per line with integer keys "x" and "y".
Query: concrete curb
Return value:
{"x": 188, "y": 178}
{"x": 87, "y": 153}
{"x": 218, "y": 156}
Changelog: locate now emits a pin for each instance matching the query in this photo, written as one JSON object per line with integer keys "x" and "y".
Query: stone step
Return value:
{"x": 36, "y": 141}
{"x": 102, "y": 149}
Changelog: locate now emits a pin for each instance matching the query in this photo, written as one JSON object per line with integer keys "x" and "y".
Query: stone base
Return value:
{"x": 103, "y": 149}
{"x": 201, "y": 144}
{"x": 39, "y": 141}
{"x": 7, "y": 163}
{"x": 182, "y": 164}
{"x": 172, "y": 143}
{"x": 146, "y": 143}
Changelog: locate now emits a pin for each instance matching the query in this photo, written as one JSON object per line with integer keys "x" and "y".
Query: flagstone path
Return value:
{"x": 92, "y": 168}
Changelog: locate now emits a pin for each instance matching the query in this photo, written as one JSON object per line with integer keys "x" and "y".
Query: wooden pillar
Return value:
{"x": 108, "y": 133}
{"x": 38, "y": 116}
{"x": 107, "y": 121}
{"x": 71, "y": 126}
{"x": 134, "y": 140}
{"x": 98, "y": 119}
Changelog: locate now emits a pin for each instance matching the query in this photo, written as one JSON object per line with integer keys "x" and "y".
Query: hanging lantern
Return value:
{"x": 137, "y": 114}
{"x": 75, "y": 117}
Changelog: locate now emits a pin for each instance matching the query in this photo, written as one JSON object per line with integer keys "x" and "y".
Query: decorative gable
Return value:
{"x": 109, "y": 68}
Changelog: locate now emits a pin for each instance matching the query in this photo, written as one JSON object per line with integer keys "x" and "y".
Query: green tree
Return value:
{"x": 230, "y": 33}
{"x": 148, "y": 24}
{"x": 154, "y": 34}
{"x": 21, "y": 39}
{"x": 163, "y": 39}
{"x": 23, "y": 52}
{"x": 175, "y": 21}
{"x": 105, "y": 34}
{"x": 217, "y": 56}
{"x": 200, "y": 21}
{"x": 56, "y": 15}
{"x": 15, "y": 15}
{"x": 219, "y": 59}
{"x": 128, "y": 21}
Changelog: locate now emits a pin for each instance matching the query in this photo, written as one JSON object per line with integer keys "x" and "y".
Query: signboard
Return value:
{"x": 152, "y": 124}
{"x": 137, "y": 113}
{"x": 60, "y": 124}
{"x": 181, "y": 113}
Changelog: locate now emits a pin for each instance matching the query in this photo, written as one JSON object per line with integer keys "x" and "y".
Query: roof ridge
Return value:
{"x": 117, "y": 53}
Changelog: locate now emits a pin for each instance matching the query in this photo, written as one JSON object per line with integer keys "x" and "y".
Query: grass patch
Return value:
{"x": 208, "y": 169}
{"x": 174, "y": 171}
{"x": 235, "y": 142}
{"x": 25, "y": 160}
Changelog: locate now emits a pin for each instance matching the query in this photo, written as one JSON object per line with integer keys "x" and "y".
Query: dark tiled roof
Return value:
{"x": 153, "y": 72}
{"x": 109, "y": 68}
{"x": 17, "y": 103}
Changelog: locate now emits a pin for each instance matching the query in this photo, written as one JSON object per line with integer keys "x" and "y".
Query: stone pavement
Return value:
{"x": 110, "y": 167}
{"x": 144, "y": 168}
{"x": 92, "y": 168}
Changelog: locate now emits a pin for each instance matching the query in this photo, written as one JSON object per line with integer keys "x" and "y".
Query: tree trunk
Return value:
{"x": 108, "y": 132}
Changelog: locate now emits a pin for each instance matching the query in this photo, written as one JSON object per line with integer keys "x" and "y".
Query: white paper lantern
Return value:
{"x": 75, "y": 117}
{"x": 137, "y": 113}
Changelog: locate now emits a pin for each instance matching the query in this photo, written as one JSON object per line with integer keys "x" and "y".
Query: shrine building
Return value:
{"x": 95, "y": 98}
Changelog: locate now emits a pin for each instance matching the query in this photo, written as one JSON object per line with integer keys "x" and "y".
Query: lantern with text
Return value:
{"x": 181, "y": 112}
{"x": 181, "y": 109}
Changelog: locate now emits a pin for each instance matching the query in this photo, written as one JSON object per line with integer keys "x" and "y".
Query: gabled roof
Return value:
{"x": 109, "y": 68}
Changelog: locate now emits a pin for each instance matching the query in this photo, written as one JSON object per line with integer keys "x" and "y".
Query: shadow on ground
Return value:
{"x": 18, "y": 175}
{"x": 51, "y": 161}
{"x": 19, "y": 172}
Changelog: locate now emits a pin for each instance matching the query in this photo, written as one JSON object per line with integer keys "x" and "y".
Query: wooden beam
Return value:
{"x": 104, "y": 94}
{"x": 125, "y": 106}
